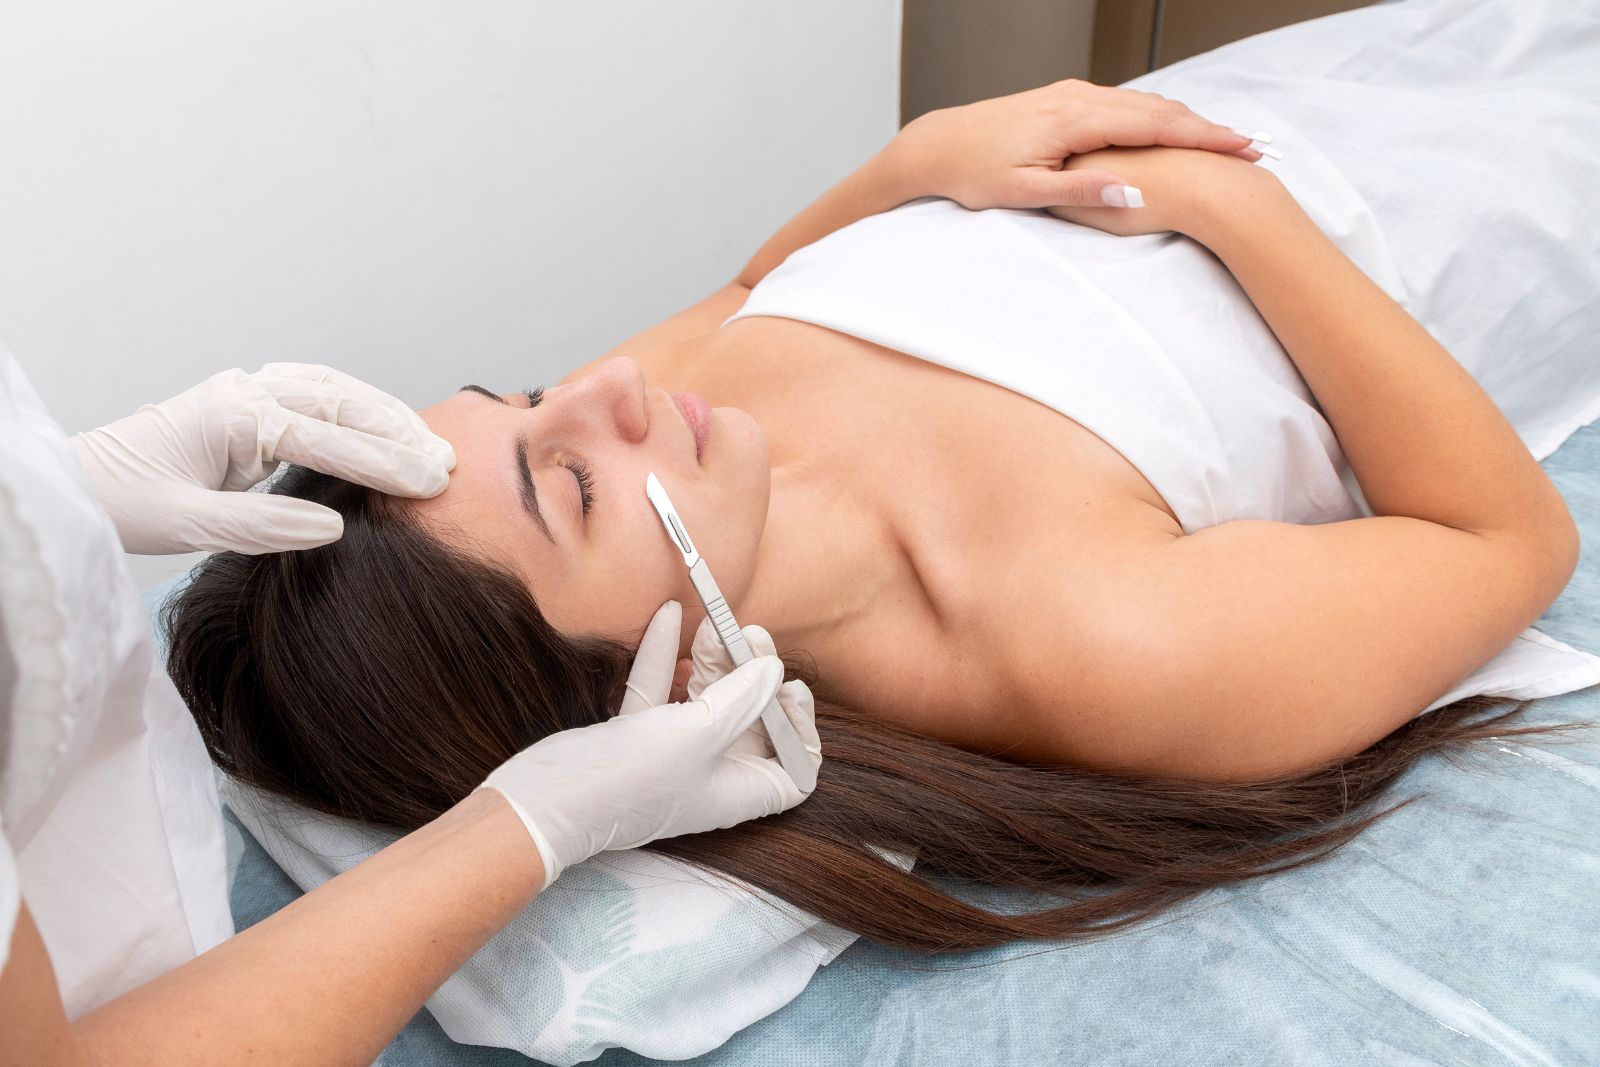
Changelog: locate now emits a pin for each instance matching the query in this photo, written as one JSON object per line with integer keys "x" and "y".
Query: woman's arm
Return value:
{"x": 1266, "y": 647}
{"x": 1423, "y": 438}
{"x": 329, "y": 979}
{"x": 1421, "y": 435}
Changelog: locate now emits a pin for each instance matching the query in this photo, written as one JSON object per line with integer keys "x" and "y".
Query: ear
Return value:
{"x": 680, "y": 680}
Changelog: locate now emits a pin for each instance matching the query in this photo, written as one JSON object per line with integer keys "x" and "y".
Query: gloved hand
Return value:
{"x": 656, "y": 769}
{"x": 170, "y": 475}
{"x": 709, "y": 660}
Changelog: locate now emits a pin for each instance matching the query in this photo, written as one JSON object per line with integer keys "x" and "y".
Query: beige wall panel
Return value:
{"x": 958, "y": 51}
{"x": 1122, "y": 34}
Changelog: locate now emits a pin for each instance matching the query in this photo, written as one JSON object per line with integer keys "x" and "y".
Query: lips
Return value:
{"x": 697, "y": 413}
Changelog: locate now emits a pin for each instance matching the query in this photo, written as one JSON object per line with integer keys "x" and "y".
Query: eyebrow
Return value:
{"x": 481, "y": 391}
{"x": 529, "y": 494}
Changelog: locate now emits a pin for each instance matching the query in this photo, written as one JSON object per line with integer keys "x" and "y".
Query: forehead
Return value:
{"x": 481, "y": 508}
{"x": 460, "y": 411}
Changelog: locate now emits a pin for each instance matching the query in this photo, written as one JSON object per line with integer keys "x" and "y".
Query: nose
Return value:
{"x": 614, "y": 395}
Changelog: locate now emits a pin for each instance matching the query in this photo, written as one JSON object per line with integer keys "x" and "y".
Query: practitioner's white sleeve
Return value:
{"x": 10, "y": 898}
{"x": 113, "y": 830}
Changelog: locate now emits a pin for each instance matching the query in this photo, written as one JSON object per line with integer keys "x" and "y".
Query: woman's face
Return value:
{"x": 606, "y": 572}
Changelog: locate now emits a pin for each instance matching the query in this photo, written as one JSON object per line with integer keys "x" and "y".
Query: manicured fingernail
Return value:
{"x": 1255, "y": 135}
{"x": 1272, "y": 153}
{"x": 1122, "y": 196}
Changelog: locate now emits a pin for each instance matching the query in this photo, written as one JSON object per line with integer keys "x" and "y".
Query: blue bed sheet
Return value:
{"x": 1465, "y": 929}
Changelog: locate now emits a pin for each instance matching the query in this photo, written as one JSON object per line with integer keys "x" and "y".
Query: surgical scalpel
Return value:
{"x": 785, "y": 742}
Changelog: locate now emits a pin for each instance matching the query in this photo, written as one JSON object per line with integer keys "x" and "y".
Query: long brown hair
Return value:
{"x": 382, "y": 677}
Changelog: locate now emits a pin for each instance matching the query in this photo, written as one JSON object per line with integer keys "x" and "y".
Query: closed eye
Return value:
{"x": 579, "y": 470}
{"x": 585, "y": 482}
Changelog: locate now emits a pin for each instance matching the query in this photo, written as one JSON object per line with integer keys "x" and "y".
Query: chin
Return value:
{"x": 740, "y": 428}
{"x": 741, "y": 451}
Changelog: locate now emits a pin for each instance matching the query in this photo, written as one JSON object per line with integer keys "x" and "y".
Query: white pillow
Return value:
{"x": 629, "y": 949}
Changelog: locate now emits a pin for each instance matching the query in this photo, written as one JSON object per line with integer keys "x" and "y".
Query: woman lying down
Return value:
{"x": 1047, "y": 506}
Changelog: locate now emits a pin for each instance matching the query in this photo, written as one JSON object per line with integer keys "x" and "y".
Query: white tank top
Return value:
{"x": 1147, "y": 341}
{"x": 1150, "y": 343}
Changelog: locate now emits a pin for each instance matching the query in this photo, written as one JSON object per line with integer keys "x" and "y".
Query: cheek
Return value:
{"x": 644, "y": 553}
{"x": 640, "y": 570}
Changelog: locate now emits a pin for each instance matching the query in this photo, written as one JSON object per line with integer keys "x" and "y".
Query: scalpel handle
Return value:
{"x": 722, "y": 619}
{"x": 791, "y": 751}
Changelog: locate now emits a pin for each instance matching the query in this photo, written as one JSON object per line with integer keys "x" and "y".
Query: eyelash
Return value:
{"x": 579, "y": 471}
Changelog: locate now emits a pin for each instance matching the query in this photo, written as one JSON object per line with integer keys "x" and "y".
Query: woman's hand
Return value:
{"x": 1183, "y": 189}
{"x": 1017, "y": 151}
{"x": 659, "y": 769}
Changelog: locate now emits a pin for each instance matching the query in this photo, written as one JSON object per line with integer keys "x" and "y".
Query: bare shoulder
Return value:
{"x": 1012, "y": 660}
{"x": 1255, "y": 649}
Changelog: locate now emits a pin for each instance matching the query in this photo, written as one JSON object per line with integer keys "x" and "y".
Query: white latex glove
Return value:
{"x": 655, "y": 769}
{"x": 709, "y": 660}
{"x": 171, "y": 474}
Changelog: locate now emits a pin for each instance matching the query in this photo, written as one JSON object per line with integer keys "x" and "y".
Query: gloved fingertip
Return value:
{"x": 707, "y": 644}
{"x": 301, "y": 539}
{"x": 443, "y": 451}
{"x": 744, "y": 688}
{"x": 665, "y": 626}
{"x": 439, "y": 480}
{"x": 307, "y": 525}
{"x": 325, "y": 528}
{"x": 767, "y": 672}
{"x": 252, "y": 523}
{"x": 430, "y": 481}
{"x": 262, "y": 544}
{"x": 759, "y": 640}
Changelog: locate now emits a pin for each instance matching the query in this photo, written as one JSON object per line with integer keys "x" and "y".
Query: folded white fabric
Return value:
{"x": 629, "y": 949}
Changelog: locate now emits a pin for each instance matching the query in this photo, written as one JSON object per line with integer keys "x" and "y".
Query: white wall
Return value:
{"x": 423, "y": 194}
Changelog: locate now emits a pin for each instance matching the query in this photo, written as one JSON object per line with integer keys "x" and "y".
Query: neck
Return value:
{"x": 827, "y": 560}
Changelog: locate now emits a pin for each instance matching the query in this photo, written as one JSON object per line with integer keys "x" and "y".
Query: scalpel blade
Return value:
{"x": 669, "y": 518}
